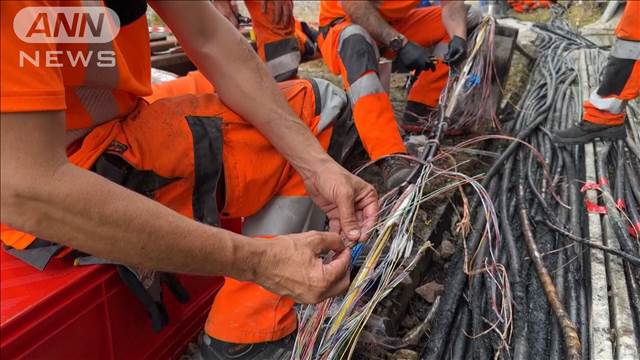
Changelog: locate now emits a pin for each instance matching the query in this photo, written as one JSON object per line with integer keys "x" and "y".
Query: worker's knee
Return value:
{"x": 358, "y": 52}
{"x": 331, "y": 102}
{"x": 282, "y": 58}
{"x": 334, "y": 109}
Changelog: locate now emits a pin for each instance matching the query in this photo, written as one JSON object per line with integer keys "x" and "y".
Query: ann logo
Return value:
{"x": 73, "y": 24}
{"x": 76, "y": 26}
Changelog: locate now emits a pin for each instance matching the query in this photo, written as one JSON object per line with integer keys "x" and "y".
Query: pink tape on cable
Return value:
{"x": 603, "y": 181}
{"x": 590, "y": 186}
{"x": 594, "y": 208}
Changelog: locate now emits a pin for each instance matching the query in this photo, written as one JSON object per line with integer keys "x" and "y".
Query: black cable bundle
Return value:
{"x": 524, "y": 294}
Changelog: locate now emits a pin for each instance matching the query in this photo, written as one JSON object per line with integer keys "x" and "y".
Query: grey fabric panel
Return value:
{"x": 324, "y": 30}
{"x": 284, "y": 67}
{"x": 95, "y": 92}
{"x": 281, "y": 47}
{"x": 358, "y": 57}
{"x": 366, "y": 85}
{"x": 118, "y": 170}
{"x": 330, "y": 102}
{"x": 611, "y": 105}
{"x": 615, "y": 75}
{"x": 36, "y": 256}
{"x": 316, "y": 219}
{"x": 98, "y": 102}
{"x": 354, "y": 29}
{"x": 282, "y": 215}
{"x": 345, "y": 140}
{"x": 92, "y": 260}
{"x": 316, "y": 93}
{"x": 207, "y": 154}
{"x": 283, "y": 58}
{"x": 626, "y": 49}
{"x": 159, "y": 76}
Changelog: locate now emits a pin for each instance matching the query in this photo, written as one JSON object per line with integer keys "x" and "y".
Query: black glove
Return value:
{"x": 414, "y": 57}
{"x": 457, "y": 51}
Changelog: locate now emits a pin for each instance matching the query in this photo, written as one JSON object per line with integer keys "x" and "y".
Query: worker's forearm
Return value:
{"x": 245, "y": 85}
{"x": 80, "y": 209}
{"x": 454, "y": 18}
{"x": 365, "y": 14}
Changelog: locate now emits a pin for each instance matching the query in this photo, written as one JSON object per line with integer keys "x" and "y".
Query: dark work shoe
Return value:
{"x": 213, "y": 349}
{"x": 395, "y": 171}
{"x": 588, "y": 131}
{"x": 311, "y": 33}
{"x": 310, "y": 50}
{"x": 417, "y": 117}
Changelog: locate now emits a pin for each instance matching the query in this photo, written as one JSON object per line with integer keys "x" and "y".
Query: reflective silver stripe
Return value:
{"x": 610, "y": 105}
{"x": 99, "y": 103}
{"x": 626, "y": 49}
{"x": 95, "y": 93}
{"x": 316, "y": 219}
{"x": 284, "y": 63}
{"x": 366, "y": 85}
{"x": 332, "y": 100}
{"x": 282, "y": 215}
{"x": 354, "y": 29}
{"x": 159, "y": 76}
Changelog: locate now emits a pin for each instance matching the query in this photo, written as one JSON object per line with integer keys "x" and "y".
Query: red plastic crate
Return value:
{"x": 68, "y": 312}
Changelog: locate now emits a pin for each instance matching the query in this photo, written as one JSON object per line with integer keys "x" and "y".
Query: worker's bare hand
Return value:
{"x": 293, "y": 267}
{"x": 350, "y": 203}
{"x": 282, "y": 14}
{"x": 227, "y": 9}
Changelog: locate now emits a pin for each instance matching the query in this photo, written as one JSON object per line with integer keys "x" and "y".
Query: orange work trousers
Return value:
{"x": 263, "y": 188}
{"x": 620, "y": 83}
{"x": 173, "y": 136}
{"x": 281, "y": 47}
{"x": 350, "y": 51}
{"x": 621, "y": 79}
{"x": 521, "y": 6}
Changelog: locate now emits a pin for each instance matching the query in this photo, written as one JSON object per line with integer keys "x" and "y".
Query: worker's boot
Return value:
{"x": 213, "y": 349}
{"x": 310, "y": 50}
{"x": 587, "y": 131}
{"x": 311, "y": 33}
{"x": 395, "y": 171}
{"x": 417, "y": 118}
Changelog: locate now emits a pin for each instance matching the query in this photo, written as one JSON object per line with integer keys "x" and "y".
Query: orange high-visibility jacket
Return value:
{"x": 389, "y": 9}
{"x": 629, "y": 28}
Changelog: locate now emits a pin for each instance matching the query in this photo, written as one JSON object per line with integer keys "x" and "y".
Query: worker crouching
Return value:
{"x": 603, "y": 113}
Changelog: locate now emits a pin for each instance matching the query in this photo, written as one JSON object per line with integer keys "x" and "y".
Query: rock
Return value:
{"x": 405, "y": 354}
{"x": 446, "y": 249}
{"x": 430, "y": 291}
{"x": 409, "y": 321}
{"x": 415, "y": 144}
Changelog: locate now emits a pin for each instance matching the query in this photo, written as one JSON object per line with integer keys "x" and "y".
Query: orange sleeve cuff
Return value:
{"x": 26, "y": 103}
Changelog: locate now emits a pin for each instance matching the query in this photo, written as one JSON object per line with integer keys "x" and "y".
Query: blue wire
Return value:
{"x": 355, "y": 251}
{"x": 472, "y": 81}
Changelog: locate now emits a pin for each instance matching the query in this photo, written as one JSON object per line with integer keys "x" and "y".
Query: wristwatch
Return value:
{"x": 397, "y": 43}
